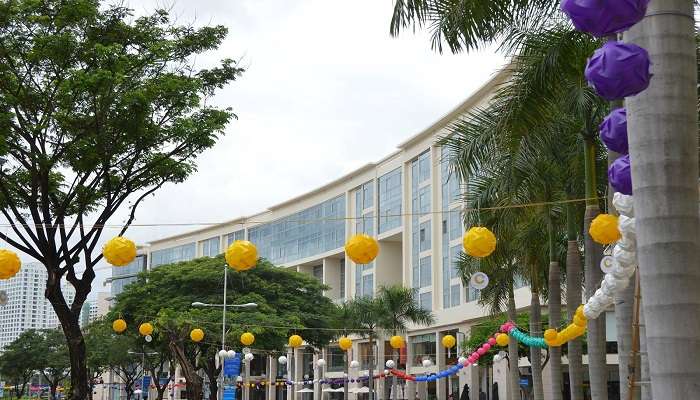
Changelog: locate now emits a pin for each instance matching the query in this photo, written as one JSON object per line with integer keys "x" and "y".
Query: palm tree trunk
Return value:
{"x": 536, "y": 352}
{"x": 663, "y": 149}
{"x": 597, "y": 370}
{"x": 573, "y": 299}
{"x": 370, "y": 383}
{"x": 393, "y": 378}
{"x": 554, "y": 314}
{"x": 513, "y": 356}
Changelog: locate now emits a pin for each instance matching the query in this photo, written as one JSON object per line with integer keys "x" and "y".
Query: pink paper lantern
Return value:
{"x": 492, "y": 341}
{"x": 486, "y": 347}
{"x": 481, "y": 351}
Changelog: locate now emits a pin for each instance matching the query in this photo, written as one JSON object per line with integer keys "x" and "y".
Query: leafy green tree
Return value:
{"x": 55, "y": 365}
{"x": 98, "y": 109}
{"x": 287, "y": 301}
{"x": 22, "y": 359}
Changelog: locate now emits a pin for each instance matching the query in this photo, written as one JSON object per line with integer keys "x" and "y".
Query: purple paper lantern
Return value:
{"x": 613, "y": 131}
{"x": 618, "y": 70}
{"x": 604, "y": 17}
{"x": 620, "y": 175}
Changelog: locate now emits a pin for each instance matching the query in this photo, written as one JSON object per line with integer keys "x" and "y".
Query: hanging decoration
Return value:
{"x": 479, "y": 242}
{"x": 624, "y": 256}
{"x": 282, "y": 360}
{"x": 479, "y": 281}
{"x": 9, "y": 264}
{"x": 241, "y": 255}
{"x": 145, "y": 329}
{"x": 613, "y": 131}
{"x": 119, "y": 325}
{"x": 571, "y": 332}
{"x": 119, "y": 251}
{"x": 345, "y": 343}
{"x": 397, "y": 342}
{"x": 295, "y": 341}
{"x": 502, "y": 339}
{"x": 603, "y": 18}
{"x": 620, "y": 175}
{"x": 197, "y": 335}
{"x": 449, "y": 341}
{"x": 604, "y": 230}
{"x": 247, "y": 339}
{"x": 362, "y": 249}
{"x": 618, "y": 70}
{"x": 526, "y": 339}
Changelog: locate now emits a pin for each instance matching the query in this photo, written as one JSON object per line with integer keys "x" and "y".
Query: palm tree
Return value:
{"x": 663, "y": 150}
{"x": 368, "y": 316}
{"x": 345, "y": 321}
{"x": 400, "y": 309}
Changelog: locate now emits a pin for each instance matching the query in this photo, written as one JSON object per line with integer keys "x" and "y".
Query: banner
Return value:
{"x": 145, "y": 386}
{"x": 232, "y": 366}
{"x": 229, "y": 392}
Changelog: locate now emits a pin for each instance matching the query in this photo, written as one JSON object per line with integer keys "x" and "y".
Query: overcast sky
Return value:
{"x": 326, "y": 90}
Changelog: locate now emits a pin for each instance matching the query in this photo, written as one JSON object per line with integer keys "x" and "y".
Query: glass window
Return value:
{"x": 424, "y": 236}
{"x": 365, "y": 224}
{"x": 342, "y": 279}
{"x": 364, "y": 197}
{"x": 423, "y": 346}
{"x": 232, "y": 237}
{"x": 318, "y": 272}
{"x": 390, "y": 200}
{"x": 210, "y": 247}
{"x": 363, "y": 350}
{"x": 424, "y": 200}
{"x": 335, "y": 359}
{"x": 304, "y": 234}
{"x": 424, "y": 167}
{"x": 425, "y": 300}
{"x": 185, "y": 252}
{"x": 425, "y": 272}
{"x": 368, "y": 285}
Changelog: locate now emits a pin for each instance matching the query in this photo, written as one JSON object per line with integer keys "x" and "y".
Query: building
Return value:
{"x": 409, "y": 201}
{"x": 94, "y": 309}
{"x": 122, "y": 276}
{"x": 27, "y": 308}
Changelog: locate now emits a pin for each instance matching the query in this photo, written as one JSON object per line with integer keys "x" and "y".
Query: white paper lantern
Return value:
{"x": 222, "y": 354}
{"x": 354, "y": 364}
{"x": 321, "y": 363}
{"x": 282, "y": 360}
{"x": 149, "y": 338}
{"x": 461, "y": 360}
{"x": 249, "y": 356}
{"x": 230, "y": 354}
{"x": 386, "y": 372}
{"x": 427, "y": 362}
{"x": 624, "y": 257}
{"x": 626, "y": 226}
{"x": 390, "y": 364}
{"x": 624, "y": 204}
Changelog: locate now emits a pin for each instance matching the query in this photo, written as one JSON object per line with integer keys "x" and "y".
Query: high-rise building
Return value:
{"x": 122, "y": 276}
{"x": 26, "y": 307}
{"x": 94, "y": 309}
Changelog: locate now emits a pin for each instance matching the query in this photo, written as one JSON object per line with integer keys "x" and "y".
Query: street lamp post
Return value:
{"x": 220, "y": 393}
{"x": 143, "y": 366}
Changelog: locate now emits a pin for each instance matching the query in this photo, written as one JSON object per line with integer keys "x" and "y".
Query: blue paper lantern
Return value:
{"x": 613, "y": 131}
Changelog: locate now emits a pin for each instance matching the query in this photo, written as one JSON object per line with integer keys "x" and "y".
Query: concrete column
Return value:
{"x": 271, "y": 377}
{"x": 410, "y": 390}
{"x": 381, "y": 366}
{"x": 331, "y": 277}
{"x": 547, "y": 381}
{"x": 441, "y": 362}
{"x": 317, "y": 376}
{"x": 422, "y": 390}
{"x": 500, "y": 376}
{"x": 246, "y": 381}
{"x": 298, "y": 371}
{"x": 290, "y": 388}
{"x": 474, "y": 382}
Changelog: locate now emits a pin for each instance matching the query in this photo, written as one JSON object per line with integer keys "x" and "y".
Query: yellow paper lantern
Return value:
{"x": 550, "y": 334}
{"x": 502, "y": 339}
{"x": 578, "y": 321}
{"x": 449, "y": 341}
{"x": 119, "y": 325}
{"x": 119, "y": 251}
{"x": 397, "y": 342}
{"x": 362, "y": 249}
{"x": 197, "y": 335}
{"x": 247, "y": 339}
{"x": 344, "y": 343}
{"x": 241, "y": 255}
{"x": 295, "y": 341}
{"x": 145, "y": 329}
{"x": 604, "y": 229}
{"x": 479, "y": 242}
{"x": 9, "y": 264}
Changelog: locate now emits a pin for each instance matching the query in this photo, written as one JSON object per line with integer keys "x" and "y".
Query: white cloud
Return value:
{"x": 326, "y": 90}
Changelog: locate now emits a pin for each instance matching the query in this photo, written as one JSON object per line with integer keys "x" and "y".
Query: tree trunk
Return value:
{"x": 194, "y": 381}
{"x": 624, "y": 306}
{"x": 573, "y": 299}
{"x": 513, "y": 355}
{"x": 554, "y": 322}
{"x": 664, "y": 153}
{"x": 52, "y": 389}
{"x": 536, "y": 352}
{"x": 212, "y": 374}
{"x": 645, "y": 388}
{"x": 597, "y": 370}
{"x": 79, "y": 382}
{"x": 370, "y": 383}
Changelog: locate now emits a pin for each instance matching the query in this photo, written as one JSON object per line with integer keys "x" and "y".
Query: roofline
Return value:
{"x": 468, "y": 103}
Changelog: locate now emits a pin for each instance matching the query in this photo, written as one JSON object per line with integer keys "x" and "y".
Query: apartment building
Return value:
{"x": 27, "y": 308}
{"x": 409, "y": 201}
